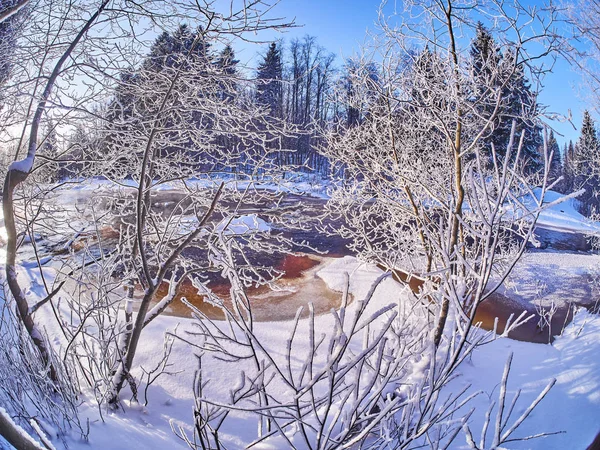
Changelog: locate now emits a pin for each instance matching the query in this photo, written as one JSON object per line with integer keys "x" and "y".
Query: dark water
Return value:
{"x": 299, "y": 284}
{"x": 560, "y": 240}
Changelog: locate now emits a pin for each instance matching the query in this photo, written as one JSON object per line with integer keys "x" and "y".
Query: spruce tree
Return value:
{"x": 568, "y": 172}
{"x": 494, "y": 72}
{"x": 170, "y": 49}
{"x": 269, "y": 91}
{"x": 522, "y": 106}
{"x": 226, "y": 61}
{"x": 227, "y": 66}
{"x": 586, "y": 148}
{"x": 485, "y": 61}
{"x": 584, "y": 165}
{"x": 556, "y": 169}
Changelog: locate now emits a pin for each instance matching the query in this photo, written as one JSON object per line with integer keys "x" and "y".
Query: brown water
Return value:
{"x": 298, "y": 287}
{"x": 500, "y": 307}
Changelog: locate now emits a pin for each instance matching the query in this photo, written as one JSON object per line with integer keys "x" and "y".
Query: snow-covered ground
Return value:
{"x": 572, "y": 406}
{"x": 295, "y": 183}
{"x": 546, "y": 278}
{"x": 563, "y": 216}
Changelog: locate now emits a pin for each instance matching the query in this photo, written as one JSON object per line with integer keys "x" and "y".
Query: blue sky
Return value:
{"x": 341, "y": 26}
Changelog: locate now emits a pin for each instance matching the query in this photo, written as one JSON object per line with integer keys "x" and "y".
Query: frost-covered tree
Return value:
{"x": 568, "y": 170}
{"x": 430, "y": 195}
{"x": 496, "y": 73}
{"x": 9, "y": 32}
{"x": 163, "y": 102}
{"x": 556, "y": 165}
{"x": 486, "y": 58}
{"x": 357, "y": 82}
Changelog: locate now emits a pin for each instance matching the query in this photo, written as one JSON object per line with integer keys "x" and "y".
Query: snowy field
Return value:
{"x": 571, "y": 408}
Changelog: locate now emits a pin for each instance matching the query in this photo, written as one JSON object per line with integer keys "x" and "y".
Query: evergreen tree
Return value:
{"x": 135, "y": 101}
{"x": 485, "y": 57}
{"x": 226, "y": 61}
{"x": 429, "y": 79}
{"x": 49, "y": 145}
{"x": 486, "y": 66}
{"x": 556, "y": 169}
{"x": 359, "y": 84}
{"x": 584, "y": 165}
{"x": 169, "y": 49}
{"x": 586, "y": 148}
{"x": 227, "y": 65}
{"x": 49, "y": 149}
{"x": 269, "y": 91}
{"x": 568, "y": 172}
{"x": 522, "y": 106}
{"x": 493, "y": 71}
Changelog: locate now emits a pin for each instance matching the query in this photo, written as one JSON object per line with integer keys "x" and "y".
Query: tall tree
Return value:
{"x": 584, "y": 164}
{"x": 568, "y": 170}
{"x": 522, "y": 106}
{"x": 359, "y": 85}
{"x": 486, "y": 61}
{"x": 269, "y": 90}
{"x": 226, "y": 65}
{"x": 9, "y": 32}
{"x": 556, "y": 166}
{"x": 501, "y": 90}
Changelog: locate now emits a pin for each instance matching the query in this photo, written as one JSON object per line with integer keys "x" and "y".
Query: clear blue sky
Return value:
{"x": 340, "y": 26}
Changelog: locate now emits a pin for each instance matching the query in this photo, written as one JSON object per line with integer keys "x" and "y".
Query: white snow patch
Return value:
{"x": 243, "y": 224}
{"x": 564, "y": 216}
{"x": 572, "y": 405}
{"x": 24, "y": 165}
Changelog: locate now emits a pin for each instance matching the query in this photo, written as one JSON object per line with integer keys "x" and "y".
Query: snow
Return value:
{"x": 24, "y": 165}
{"x": 294, "y": 183}
{"x": 547, "y": 278}
{"x": 17, "y": 429}
{"x": 572, "y": 405}
{"x": 564, "y": 216}
{"x": 243, "y": 224}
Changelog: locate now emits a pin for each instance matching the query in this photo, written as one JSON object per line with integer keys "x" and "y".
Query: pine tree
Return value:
{"x": 359, "y": 84}
{"x": 269, "y": 91}
{"x": 486, "y": 65}
{"x": 49, "y": 149}
{"x": 568, "y": 172}
{"x": 522, "y": 106}
{"x": 170, "y": 49}
{"x": 586, "y": 148}
{"x": 227, "y": 65}
{"x": 226, "y": 61}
